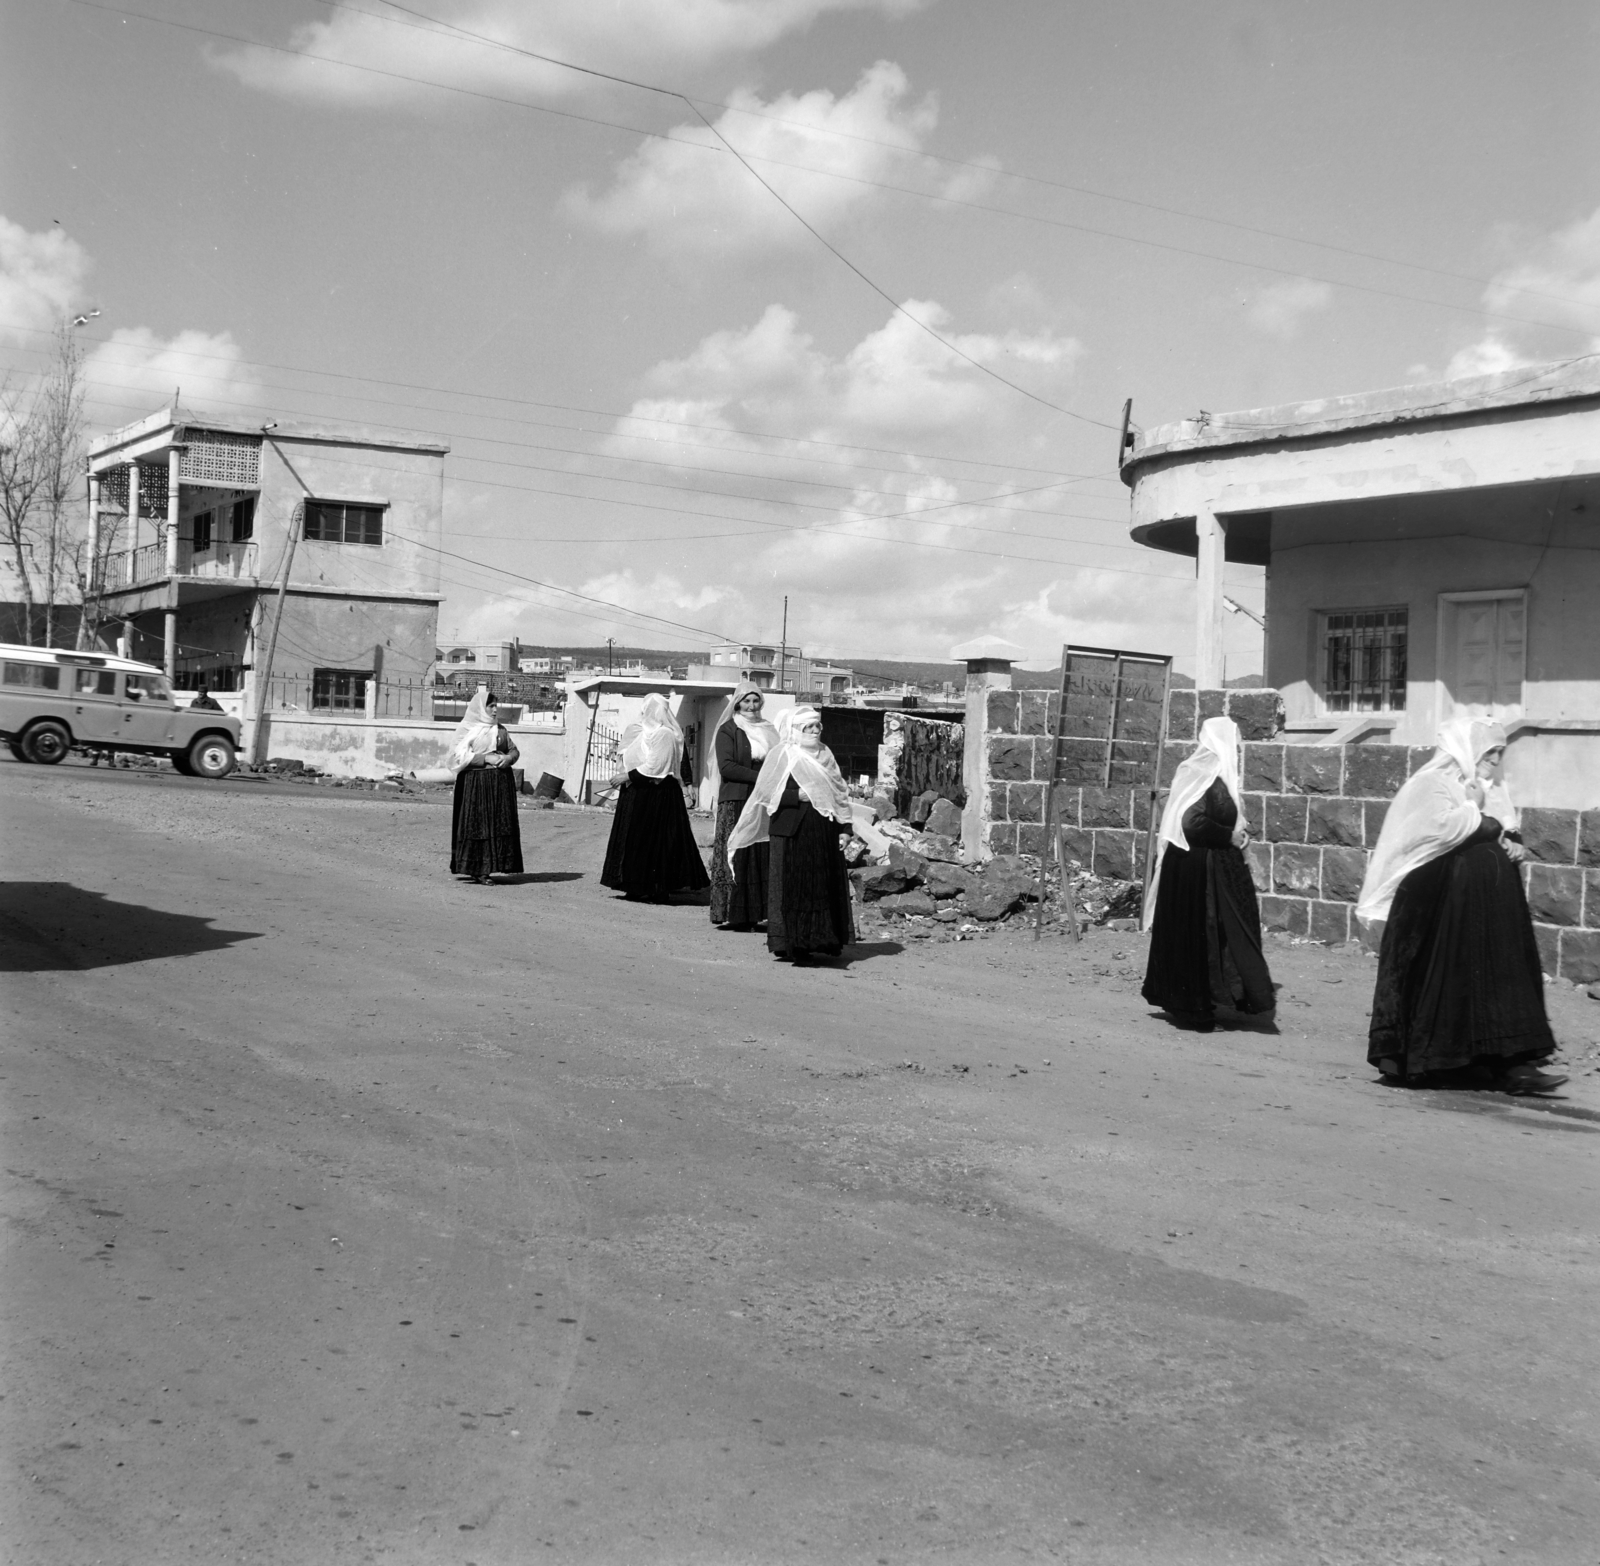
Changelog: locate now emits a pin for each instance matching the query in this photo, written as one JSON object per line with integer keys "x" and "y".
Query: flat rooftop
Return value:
{"x": 320, "y": 430}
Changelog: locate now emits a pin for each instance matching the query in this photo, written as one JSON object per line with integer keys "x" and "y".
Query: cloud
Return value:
{"x": 819, "y": 515}
{"x": 657, "y": 39}
{"x": 136, "y": 371}
{"x": 1555, "y": 281}
{"x": 42, "y": 279}
{"x": 688, "y": 193}
{"x": 1281, "y": 309}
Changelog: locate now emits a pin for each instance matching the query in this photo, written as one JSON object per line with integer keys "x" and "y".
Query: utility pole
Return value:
{"x": 783, "y": 649}
{"x": 608, "y": 655}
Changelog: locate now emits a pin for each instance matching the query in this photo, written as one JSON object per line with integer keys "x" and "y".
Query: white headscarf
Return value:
{"x": 1431, "y": 814}
{"x": 476, "y": 734}
{"x": 816, "y": 774}
{"x": 653, "y": 747}
{"x": 1215, "y": 756}
{"x": 763, "y": 737}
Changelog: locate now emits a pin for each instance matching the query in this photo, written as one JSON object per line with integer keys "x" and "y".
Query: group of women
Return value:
{"x": 1459, "y": 998}
{"x": 782, "y": 806}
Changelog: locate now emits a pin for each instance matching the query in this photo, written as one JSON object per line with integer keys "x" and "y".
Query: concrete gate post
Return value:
{"x": 988, "y": 660}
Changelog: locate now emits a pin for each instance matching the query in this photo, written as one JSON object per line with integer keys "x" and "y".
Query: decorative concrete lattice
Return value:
{"x": 152, "y": 490}
{"x": 218, "y": 457}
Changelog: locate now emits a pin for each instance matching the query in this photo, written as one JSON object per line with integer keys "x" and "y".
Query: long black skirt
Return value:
{"x": 1205, "y": 945}
{"x": 652, "y": 852}
{"x": 739, "y": 890}
{"x": 808, "y": 891}
{"x": 484, "y": 836}
{"x": 1459, "y": 985}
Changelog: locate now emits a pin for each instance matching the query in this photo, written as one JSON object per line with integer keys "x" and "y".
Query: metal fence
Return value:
{"x": 398, "y": 700}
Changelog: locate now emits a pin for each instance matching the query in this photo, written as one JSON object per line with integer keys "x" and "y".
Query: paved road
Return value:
{"x": 356, "y": 1214}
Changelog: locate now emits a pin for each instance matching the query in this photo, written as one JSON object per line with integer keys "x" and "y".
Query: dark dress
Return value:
{"x": 739, "y": 891}
{"x": 1459, "y": 986}
{"x": 1205, "y": 947}
{"x": 484, "y": 836}
{"x": 652, "y": 852}
{"x": 808, "y": 886}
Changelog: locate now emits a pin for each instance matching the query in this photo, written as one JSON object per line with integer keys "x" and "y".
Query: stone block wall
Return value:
{"x": 1314, "y": 813}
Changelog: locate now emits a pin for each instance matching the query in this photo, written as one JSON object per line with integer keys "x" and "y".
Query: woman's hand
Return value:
{"x": 1475, "y": 792}
{"x": 1241, "y": 836}
{"x": 1515, "y": 852}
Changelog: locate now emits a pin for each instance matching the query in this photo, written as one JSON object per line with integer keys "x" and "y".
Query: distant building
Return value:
{"x": 214, "y": 537}
{"x": 498, "y": 657}
{"x": 773, "y": 668}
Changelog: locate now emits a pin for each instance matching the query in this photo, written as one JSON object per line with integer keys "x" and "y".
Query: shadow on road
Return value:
{"x": 48, "y": 925}
{"x": 865, "y": 951}
{"x": 537, "y": 877}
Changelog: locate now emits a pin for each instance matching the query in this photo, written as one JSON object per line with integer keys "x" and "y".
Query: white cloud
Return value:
{"x": 136, "y": 370}
{"x": 822, "y": 153}
{"x": 817, "y": 517}
{"x": 42, "y": 278}
{"x": 1280, "y": 309}
{"x": 657, "y": 39}
{"x": 1555, "y": 281}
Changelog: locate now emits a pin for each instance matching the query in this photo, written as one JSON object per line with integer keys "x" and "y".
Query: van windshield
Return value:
{"x": 148, "y": 687}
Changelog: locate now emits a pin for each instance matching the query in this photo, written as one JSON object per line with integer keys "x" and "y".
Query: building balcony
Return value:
{"x": 220, "y": 562}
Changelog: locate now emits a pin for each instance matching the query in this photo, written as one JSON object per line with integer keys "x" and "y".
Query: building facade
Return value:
{"x": 219, "y": 539}
{"x": 1429, "y": 550}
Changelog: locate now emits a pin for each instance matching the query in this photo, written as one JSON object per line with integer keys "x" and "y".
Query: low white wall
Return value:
{"x": 376, "y": 747}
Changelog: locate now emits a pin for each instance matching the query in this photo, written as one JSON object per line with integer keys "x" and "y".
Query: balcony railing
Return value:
{"x": 231, "y": 562}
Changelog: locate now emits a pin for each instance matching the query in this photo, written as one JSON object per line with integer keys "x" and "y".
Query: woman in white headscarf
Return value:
{"x": 485, "y": 839}
{"x": 800, "y": 806}
{"x": 652, "y": 852}
{"x": 1201, "y": 908}
{"x": 743, "y": 740}
{"x": 1459, "y": 999}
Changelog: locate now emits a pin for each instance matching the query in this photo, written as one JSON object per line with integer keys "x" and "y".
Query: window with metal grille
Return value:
{"x": 1364, "y": 660}
{"x": 244, "y": 519}
{"x": 334, "y": 522}
{"x": 202, "y": 532}
{"x": 339, "y": 690}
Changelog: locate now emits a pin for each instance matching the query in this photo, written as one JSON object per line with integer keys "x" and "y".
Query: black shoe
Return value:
{"x": 1524, "y": 1081}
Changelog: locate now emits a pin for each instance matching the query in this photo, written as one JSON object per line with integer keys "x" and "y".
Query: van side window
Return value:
{"x": 41, "y": 676}
{"x": 147, "y": 687}
{"x": 97, "y": 682}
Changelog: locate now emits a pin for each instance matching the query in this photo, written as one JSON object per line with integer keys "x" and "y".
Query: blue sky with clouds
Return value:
{"x": 661, "y": 387}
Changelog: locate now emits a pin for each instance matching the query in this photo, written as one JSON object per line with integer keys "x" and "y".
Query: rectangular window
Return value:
{"x": 147, "y": 687}
{"x": 334, "y": 522}
{"x": 202, "y": 532}
{"x": 97, "y": 682}
{"x": 244, "y": 519}
{"x": 1364, "y": 660}
{"x": 41, "y": 676}
{"x": 339, "y": 690}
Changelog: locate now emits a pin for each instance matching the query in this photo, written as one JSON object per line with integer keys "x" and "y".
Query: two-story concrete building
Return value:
{"x": 1429, "y": 550}
{"x": 220, "y": 537}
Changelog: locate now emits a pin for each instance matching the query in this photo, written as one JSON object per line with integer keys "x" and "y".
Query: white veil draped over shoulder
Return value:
{"x": 475, "y": 734}
{"x": 653, "y": 747}
{"x": 1433, "y": 813}
{"x": 816, "y": 774}
{"x": 1215, "y": 756}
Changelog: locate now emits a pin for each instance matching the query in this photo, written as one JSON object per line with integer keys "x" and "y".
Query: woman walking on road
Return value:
{"x": 1459, "y": 999}
{"x": 1201, "y": 909}
{"x": 743, "y": 742}
{"x": 800, "y": 806}
{"x": 652, "y": 852}
{"x": 485, "y": 839}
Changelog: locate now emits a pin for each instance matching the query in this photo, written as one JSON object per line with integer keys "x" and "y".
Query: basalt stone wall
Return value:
{"x": 1314, "y": 813}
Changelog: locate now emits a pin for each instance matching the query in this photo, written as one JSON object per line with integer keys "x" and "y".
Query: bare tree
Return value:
{"x": 41, "y": 466}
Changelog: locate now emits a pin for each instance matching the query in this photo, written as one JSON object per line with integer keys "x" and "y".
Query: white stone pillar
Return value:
{"x": 133, "y": 518}
{"x": 1211, "y": 535}
{"x": 169, "y": 662}
{"x": 92, "y": 585}
{"x": 988, "y": 660}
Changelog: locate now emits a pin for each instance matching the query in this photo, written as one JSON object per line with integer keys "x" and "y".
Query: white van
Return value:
{"x": 52, "y": 701}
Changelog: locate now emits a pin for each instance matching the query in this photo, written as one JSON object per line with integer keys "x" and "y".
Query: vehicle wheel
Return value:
{"x": 46, "y": 743}
{"x": 211, "y": 756}
{"x": 180, "y": 763}
{"x": 16, "y": 750}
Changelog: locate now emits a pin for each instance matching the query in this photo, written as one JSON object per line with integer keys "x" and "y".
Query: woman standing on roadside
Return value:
{"x": 743, "y": 742}
{"x": 1201, "y": 909}
{"x": 485, "y": 839}
{"x": 1459, "y": 1000}
{"x": 652, "y": 852}
{"x": 800, "y": 805}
